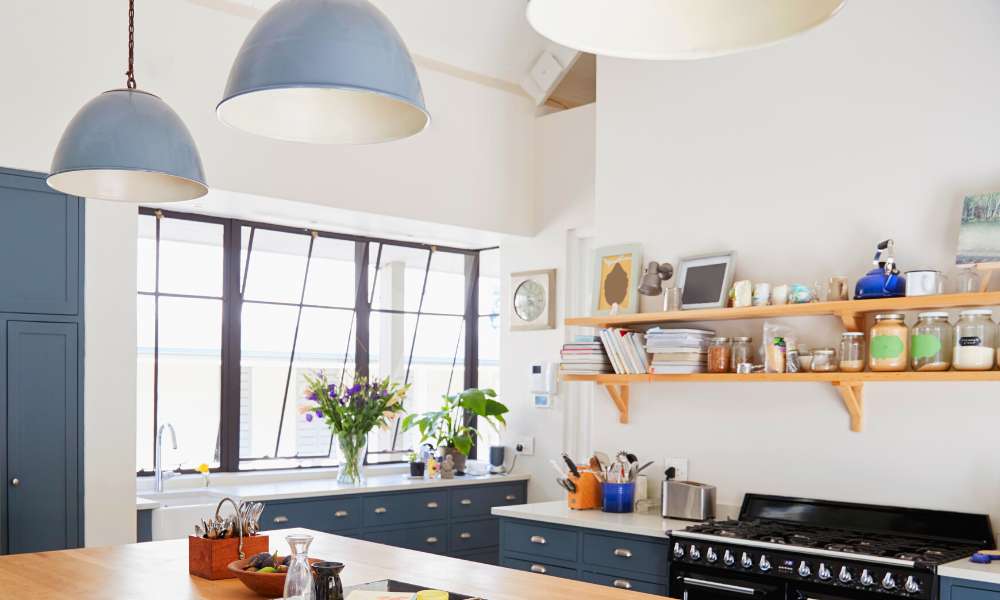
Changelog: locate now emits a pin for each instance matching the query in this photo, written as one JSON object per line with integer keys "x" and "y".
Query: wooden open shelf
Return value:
{"x": 852, "y": 314}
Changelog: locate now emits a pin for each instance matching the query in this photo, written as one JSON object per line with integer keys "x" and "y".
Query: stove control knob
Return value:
{"x": 678, "y": 550}
{"x": 804, "y": 569}
{"x": 710, "y": 555}
{"x": 824, "y": 572}
{"x": 912, "y": 585}
{"x": 845, "y": 575}
{"x": 889, "y": 582}
{"x": 763, "y": 564}
{"x": 866, "y": 578}
{"x": 694, "y": 553}
{"x": 728, "y": 558}
{"x": 746, "y": 561}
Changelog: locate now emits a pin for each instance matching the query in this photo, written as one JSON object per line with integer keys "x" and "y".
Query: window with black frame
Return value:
{"x": 295, "y": 302}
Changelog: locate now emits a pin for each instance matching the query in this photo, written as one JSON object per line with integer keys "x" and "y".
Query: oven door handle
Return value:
{"x": 736, "y": 589}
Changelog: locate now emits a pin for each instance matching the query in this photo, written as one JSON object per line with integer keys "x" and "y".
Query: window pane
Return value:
{"x": 144, "y": 384}
{"x": 331, "y": 274}
{"x": 146, "y": 260}
{"x": 189, "y": 379}
{"x": 190, "y": 257}
{"x": 489, "y": 282}
{"x": 277, "y": 266}
{"x": 400, "y": 277}
{"x": 489, "y": 374}
{"x": 446, "y": 284}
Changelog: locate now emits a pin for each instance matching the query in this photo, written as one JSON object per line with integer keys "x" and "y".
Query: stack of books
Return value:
{"x": 678, "y": 350}
{"x": 584, "y": 356}
{"x": 626, "y": 351}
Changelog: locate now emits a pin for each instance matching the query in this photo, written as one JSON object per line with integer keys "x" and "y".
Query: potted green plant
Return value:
{"x": 448, "y": 427}
{"x": 351, "y": 412}
{"x": 416, "y": 465}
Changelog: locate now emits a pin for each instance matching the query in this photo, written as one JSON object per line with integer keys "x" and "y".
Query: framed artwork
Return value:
{"x": 616, "y": 281}
{"x": 705, "y": 279}
{"x": 979, "y": 231}
{"x": 533, "y": 300}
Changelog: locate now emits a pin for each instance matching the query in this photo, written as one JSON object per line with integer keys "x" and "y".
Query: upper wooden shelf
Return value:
{"x": 851, "y": 312}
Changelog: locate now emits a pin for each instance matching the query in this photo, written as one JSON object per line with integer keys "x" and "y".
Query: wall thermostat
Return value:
{"x": 543, "y": 378}
{"x": 541, "y": 400}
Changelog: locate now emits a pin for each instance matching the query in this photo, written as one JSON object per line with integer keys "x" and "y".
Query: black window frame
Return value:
{"x": 234, "y": 281}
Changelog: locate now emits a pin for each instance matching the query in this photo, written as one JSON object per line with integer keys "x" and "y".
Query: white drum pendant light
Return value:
{"x": 675, "y": 29}
{"x": 324, "y": 72}
{"x": 128, "y": 145}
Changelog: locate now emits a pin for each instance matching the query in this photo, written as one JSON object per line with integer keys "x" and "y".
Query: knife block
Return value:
{"x": 588, "y": 491}
{"x": 210, "y": 559}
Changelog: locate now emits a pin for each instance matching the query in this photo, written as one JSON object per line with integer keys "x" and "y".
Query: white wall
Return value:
{"x": 109, "y": 373}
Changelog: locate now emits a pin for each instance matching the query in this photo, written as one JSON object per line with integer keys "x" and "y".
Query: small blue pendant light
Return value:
{"x": 128, "y": 145}
{"x": 324, "y": 72}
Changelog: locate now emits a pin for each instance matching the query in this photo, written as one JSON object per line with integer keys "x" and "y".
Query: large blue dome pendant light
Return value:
{"x": 324, "y": 72}
{"x": 128, "y": 145}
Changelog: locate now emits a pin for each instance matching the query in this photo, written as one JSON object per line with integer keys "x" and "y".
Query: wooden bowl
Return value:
{"x": 269, "y": 585}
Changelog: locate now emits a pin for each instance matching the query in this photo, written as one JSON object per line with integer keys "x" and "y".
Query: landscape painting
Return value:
{"x": 979, "y": 233}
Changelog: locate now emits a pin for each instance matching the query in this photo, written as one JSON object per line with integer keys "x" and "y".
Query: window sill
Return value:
{"x": 195, "y": 481}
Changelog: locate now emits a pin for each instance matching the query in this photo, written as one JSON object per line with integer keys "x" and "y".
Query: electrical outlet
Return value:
{"x": 680, "y": 465}
{"x": 524, "y": 445}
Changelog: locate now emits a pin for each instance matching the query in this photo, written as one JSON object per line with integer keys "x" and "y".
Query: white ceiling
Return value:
{"x": 491, "y": 38}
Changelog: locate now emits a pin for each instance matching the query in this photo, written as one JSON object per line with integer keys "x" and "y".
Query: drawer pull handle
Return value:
{"x": 465, "y": 502}
{"x": 432, "y": 504}
{"x": 465, "y": 535}
{"x": 381, "y": 510}
{"x": 622, "y": 584}
{"x": 432, "y": 540}
{"x": 280, "y": 519}
{"x": 340, "y": 514}
{"x": 538, "y": 569}
{"x": 537, "y": 539}
{"x": 510, "y": 497}
{"x": 623, "y": 552}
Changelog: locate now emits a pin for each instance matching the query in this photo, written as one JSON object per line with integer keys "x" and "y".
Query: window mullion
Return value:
{"x": 472, "y": 337}
{"x": 158, "y": 215}
{"x": 232, "y": 311}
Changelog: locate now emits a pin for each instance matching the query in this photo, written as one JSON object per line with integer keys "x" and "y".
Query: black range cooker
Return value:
{"x": 799, "y": 549}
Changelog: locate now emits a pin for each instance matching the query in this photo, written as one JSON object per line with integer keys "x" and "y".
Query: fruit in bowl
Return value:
{"x": 264, "y": 573}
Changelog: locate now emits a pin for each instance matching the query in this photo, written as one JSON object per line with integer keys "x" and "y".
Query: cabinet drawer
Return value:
{"x": 329, "y": 514}
{"x": 967, "y": 592}
{"x": 433, "y": 538}
{"x": 626, "y": 553}
{"x": 626, "y": 583}
{"x": 392, "y": 509}
{"x": 539, "y": 540}
{"x": 537, "y": 567}
{"x": 477, "y": 500}
{"x": 474, "y": 534}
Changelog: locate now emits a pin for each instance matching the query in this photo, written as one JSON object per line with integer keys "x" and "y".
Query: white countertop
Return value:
{"x": 311, "y": 488}
{"x": 145, "y": 503}
{"x": 964, "y": 569}
{"x": 649, "y": 524}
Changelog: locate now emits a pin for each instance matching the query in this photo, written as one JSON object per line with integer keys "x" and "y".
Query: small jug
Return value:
{"x": 328, "y": 585}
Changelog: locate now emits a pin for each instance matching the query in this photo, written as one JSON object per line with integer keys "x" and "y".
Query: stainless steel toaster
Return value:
{"x": 688, "y": 500}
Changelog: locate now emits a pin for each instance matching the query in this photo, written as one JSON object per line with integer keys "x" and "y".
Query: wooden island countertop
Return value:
{"x": 159, "y": 570}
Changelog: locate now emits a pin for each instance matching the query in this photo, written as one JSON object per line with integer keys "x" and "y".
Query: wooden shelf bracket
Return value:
{"x": 619, "y": 395}
{"x": 852, "y": 395}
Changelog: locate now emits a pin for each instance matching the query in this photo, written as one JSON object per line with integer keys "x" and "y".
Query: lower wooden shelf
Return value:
{"x": 850, "y": 386}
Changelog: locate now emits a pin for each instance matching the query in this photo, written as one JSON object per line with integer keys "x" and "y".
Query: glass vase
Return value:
{"x": 352, "y": 458}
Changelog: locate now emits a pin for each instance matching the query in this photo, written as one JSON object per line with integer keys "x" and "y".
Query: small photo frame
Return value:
{"x": 979, "y": 231}
{"x": 705, "y": 280}
{"x": 616, "y": 279}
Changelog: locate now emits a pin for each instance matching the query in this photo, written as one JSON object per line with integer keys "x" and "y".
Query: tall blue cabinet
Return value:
{"x": 41, "y": 354}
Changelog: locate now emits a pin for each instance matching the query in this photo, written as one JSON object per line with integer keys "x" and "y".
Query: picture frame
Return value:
{"x": 705, "y": 279}
{"x": 617, "y": 271}
{"x": 532, "y": 300}
{"x": 979, "y": 231}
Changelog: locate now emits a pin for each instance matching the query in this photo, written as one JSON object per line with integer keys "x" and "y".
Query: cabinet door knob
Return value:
{"x": 465, "y": 502}
{"x": 432, "y": 540}
{"x": 465, "y": 535}
{"x": 432, "y": 504}
{"x": 381, "y": 510}
{"x": 280, "y": 519}
{"x": 340, "y": 514}
{"x": 622, "y": 584}
{"x": 510, "y": 497}
{"x": 538, "y": 569}
{"x": 537, "y": 539}
{"x": 623, "y": 552}
{"x": 15, "y": 482}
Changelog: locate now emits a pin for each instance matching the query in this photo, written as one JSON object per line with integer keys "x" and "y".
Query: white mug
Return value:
{"x": 761, "y": 294}
{"x": 779, "y": 295}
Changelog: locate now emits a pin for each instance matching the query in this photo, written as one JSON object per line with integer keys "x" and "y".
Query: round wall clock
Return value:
{"x": 532, "y": 300}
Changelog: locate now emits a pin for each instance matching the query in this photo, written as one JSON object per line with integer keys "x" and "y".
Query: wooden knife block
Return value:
{"x": 588, "y": 491}
{"x": 210, "y": 559}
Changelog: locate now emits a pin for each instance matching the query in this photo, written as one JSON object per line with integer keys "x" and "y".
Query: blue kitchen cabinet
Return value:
{"x": 144, "y": 525}
{"x": 963, "y": 589}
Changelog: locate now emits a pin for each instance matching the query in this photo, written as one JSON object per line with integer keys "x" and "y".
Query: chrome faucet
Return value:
{"x": 158, "y": 474}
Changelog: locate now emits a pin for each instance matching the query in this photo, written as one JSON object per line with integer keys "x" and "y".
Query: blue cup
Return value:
{"x": 618, "y": 497}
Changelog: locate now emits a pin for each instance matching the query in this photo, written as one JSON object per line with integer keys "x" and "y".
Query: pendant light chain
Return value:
{"x": 130, "y": 83}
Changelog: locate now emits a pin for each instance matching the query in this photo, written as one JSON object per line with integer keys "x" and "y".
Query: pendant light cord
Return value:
{"x": 130, "y": 83}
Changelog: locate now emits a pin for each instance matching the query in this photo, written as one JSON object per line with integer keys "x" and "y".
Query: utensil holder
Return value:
{"x": 588, "y": 492}
{"x": 618, "y": 497}
{"x": 210, "y": 559}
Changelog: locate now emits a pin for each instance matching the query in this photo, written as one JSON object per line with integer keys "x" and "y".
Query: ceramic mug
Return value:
{"x": 779, "y": 295}
{"x": 761, "y": 294}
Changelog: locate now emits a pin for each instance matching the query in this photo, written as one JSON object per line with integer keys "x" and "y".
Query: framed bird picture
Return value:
{"x": 617, "y": 272}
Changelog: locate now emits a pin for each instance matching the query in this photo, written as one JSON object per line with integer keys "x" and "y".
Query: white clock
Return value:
{"x": 532, "y": 300}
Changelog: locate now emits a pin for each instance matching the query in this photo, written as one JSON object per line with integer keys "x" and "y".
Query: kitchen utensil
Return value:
{"x": 688, "y": 500}
{"x": 924, "y": 283}
{"x": 572, "y": 465}
{"x": 557, "y": 468}
{"x": 884, "y": 281}
{"x": 643, "y": 467}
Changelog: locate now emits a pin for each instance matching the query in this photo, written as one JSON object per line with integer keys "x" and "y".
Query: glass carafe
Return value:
{"x": 299, "y": 580}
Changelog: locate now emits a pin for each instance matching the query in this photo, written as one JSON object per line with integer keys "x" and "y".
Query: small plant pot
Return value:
{"x": 417, "y": 469}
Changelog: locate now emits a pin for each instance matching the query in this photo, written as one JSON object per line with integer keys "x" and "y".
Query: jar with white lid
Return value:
{"x": 975, "y": 340}
{"x": 824, "y": 360}
{"x": 930, "y": 342}
{"x": 888, "y": 344}
{"x": 852, "y": 352}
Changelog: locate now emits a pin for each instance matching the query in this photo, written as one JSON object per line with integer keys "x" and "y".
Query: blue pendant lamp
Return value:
{"x": 324, "y": 72}
{"x": 128, "y": 145}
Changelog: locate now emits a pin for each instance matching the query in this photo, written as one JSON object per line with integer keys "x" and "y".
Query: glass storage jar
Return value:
{"x": 975, "y": 340}
{"x": 719, "y": 352}
{"x": 824, "y": 360}
{"x": 742, "y": 353}
{"x": 852, "y": 352}
{"x": 888, "y": 343}
{"x": 930, "y": 342}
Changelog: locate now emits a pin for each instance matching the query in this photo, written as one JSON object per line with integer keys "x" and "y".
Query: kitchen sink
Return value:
{"x": 179, "y": 512}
